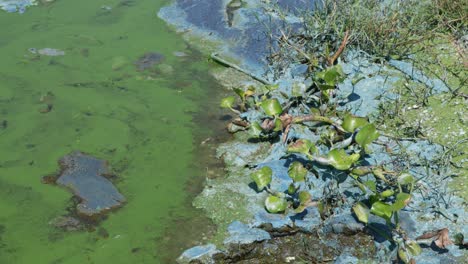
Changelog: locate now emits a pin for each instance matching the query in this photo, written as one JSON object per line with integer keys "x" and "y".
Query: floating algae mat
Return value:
{"x": 110, "y": 80}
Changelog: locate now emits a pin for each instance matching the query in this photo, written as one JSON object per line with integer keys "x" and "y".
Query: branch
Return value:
{"x": 215, "y": 57}
{"x": 332, "y": 59}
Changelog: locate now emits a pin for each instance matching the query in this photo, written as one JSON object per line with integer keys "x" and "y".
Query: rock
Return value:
{"x": 148, "y": 60}
{"x": 84, "y": 176}
{"x": 240, "y": 233}
{"x": 203, "y": 254}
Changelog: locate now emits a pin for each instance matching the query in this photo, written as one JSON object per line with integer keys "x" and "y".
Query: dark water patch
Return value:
{"x": 86, "y": 176}
{"x": 148, "y": 60}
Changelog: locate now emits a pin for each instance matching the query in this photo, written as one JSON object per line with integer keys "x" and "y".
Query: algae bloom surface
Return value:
{"x": 70, "y": 81}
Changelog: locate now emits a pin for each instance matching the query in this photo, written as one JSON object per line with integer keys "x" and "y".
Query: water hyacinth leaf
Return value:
{"x": 228, "y": 102}
{"x": 325, "y": 87}
{"x": 240, "y": 93}
{"x": 300, "y": 209}
{"x": 459, "y": 239}
{"x": 379, "y": 173}
{"x": 373, "y": 198}
{"x": 405, "y": 179}
{"x": 371, "y": 185}
{"x": 298, "y": 89}
{"x": 413, "y": 248}
{"x": 262, "y": 177}
{"x": 275, "y": 204}
{"x": 304, "y": 197}
{"x": 386, "y": 193}
{"x": 303, "y": 146}
{"x": 278, "y": 125}
{"x": 340, "y": 160}
{"x": 255, "y": 129}
{"x": 271, "y": 87}
{"x": 351, "y": 122}
{"x": 402, "y": 199}
{"x": 272, "y": 107}
{"x": 361, "y": 171}
{"x": 366, "y": 135}
{"x": 382, "y": 209}
{"x": 362, "y": 212}
{"x": 332, "y": 75}
{"x": 291, "y": 189}
{"x": 297, "y": 172}
{"x": 403, "y": 255}
{"x": 250, "y": 91}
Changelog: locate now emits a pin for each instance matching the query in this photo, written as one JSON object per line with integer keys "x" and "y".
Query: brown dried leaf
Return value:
{"x": 441, "y": 237}
{"x": 427, "y": 235}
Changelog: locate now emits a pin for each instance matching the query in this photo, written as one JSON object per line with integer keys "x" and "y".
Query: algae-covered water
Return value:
{"x": 96, "y": 100}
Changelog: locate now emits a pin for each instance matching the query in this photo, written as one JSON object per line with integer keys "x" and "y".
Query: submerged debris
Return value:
{"x": 67, "y": 223}
{"x": 47, "y": 52}
{"x": 85, "y": 175}
{"x": 148, "y": 60}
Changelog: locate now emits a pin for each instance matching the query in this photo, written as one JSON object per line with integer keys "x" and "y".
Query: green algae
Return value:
{"x": 142, "y": 122}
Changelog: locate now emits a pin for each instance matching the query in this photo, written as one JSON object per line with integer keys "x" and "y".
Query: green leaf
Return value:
{"x": 304, "y": 197}
{"x": 262, "y": 177}
{"x": 379, "y": 173}
{"x": 332, "y": 75}
{"x": 403, "y": 255}
{"x": 382, "y": 209}
{"x": 278, "y": 125}
{"x": 291, "y": 189}
{"x": 272, "y": 107}
{"x": 297, "y": 172}
{"x": 351, "y": 122}
{"x": 298, "y": 89}
{"x": 371, "y": 185}
{"x": 405, "y": 179}
{"x": 362, "y": 212}
{"x": 275, "y": 204}
{"x": 361, "y": 171}
{"x": 458, "y": 239}
{"x": 272, "y": 87}
{"x": 255, "y": 129}
{"x": 366, "y": 135}
{"x": 402, "y": 199}
{"x": 325, "y": 87}
{"x": 413, "y": 248}
{"x": 228, "y": 102}
{"x": 386, "y": 193}
{"x": 303, "y": 146}
{"x": 240, "y": 93}
{"x": 340, "y": 160}
{"x": 373, "y": 198}
{"x": 300, "y": 209}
